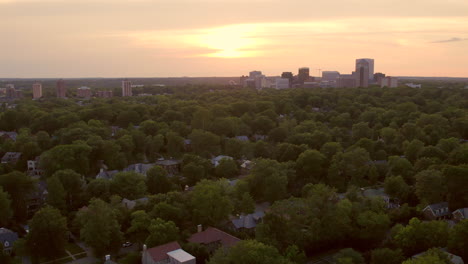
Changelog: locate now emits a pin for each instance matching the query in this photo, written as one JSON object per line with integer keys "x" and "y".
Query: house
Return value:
{"x": 11, "y": 157}
{"x": 172, "y": 166}
{"x": 215, "y": 161}
{"x": 460, "y": 214}
{"x": 213, "y": 238}
{"x": 36, "y": 199}
{"x": 7, "y": 238}
{"x": 33, "y": 168}
{"x": 167, "y": 253}
{"x": 140, "y": 168}
{"x": 8, "y": 135}
{"x": 437, "y": 211}
{"x": 105, "y": 174}
{"x": 453, "y": 258}
{"x": 130, "y": 204}
{"x": 372, "y": 193}
{"x": 242, "y": 138}
{"x": 187, "y": 145}
{"x": 257, "y": 137}
{"x": 250, "y": 221}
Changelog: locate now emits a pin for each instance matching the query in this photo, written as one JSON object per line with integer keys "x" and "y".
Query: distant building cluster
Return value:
{"x": 362, "y": 76}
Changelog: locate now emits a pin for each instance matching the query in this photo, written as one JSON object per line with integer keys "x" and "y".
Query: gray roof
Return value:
{"x": 7, "y": 236}
{"x": 11, "y": 135}
{"x": 130, "y": 204}
{"x": 11, "y": 156}
{"x": 438, "y": 205}
{"x": 139, "y": 168}
{"x": 108, "y": 175}
{"x": 248, "y": 221}
{"x": 439, "y": 209}
{"x": 242, "y": 138}
{"x": 463, "y": 211}
{"x": 375, "y": 193}
{"x": 169, "y": 162}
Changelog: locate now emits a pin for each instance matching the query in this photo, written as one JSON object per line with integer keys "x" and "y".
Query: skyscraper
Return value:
{"x": 126, "y": 88}
{"x": 37, "y": 90}
{"x": 371, "y": 66}
{"x": 362, "y": 73}
{"x": 61, "y": 90}
{"x": 288, "y": 75}
{"x": 303, "y": 74}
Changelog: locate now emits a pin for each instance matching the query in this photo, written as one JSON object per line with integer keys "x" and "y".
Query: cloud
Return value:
{"x": 450, "y": 40}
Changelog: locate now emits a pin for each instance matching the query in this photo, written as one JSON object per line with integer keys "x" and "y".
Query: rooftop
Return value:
{"x": 211, "y": 235}
{"x": 180, "y": 255}
{"x": 160, "y": 252}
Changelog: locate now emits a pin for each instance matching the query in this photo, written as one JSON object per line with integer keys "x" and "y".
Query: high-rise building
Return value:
{"x": 362, "y": 73}
{"x": 61, "y": 89}
{"x": 346, "y": 81}
{"x": 378, "y": 76}
{"x": 84, "y": 92}
{"x": 282, "y": 83}
{"x": 330, "y": 75}
{"x": 254, "y": 74}
{"x": 371, "y": 66}
{"x": 126, "y": 88}
{"x": 37, "y": 90}
{"x": 303, "y": 74}
{"x": 288, "y": 75}
{"x": 390, "y": 82}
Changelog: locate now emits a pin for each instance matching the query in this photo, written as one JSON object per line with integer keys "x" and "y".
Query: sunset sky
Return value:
{"x": 172, "y": 38}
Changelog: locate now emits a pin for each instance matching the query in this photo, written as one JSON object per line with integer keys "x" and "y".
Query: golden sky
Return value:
{"x": 165, "y": 38}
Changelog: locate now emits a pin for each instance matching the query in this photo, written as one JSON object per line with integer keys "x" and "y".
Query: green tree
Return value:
{"x": 400, "y": 166}
{"x": 205, "y": 143}
{"x": 161, "y": 232}
{"x": 157, "y": 180}
{"x": 98, "y": 188}
{"x": 431, "y": 186}
{"x": 74, "y": 157}
{"x": 48, "y": 233}
{"x": 130, "y": 185}
{"x": 396, "y": 186}
{"x": 5, "y": 208}
{"x": 72, "y": 184}
{"x": 311, "y": 166}
{"x": 386, "y": 256}
{"x": 138, "y": 229}
{"x": 248, "y": 252}
{"x": 458, "y": 239}
{"x": 56, "y": 193}
{"x": 268, "y": 180}
{"x": 210, "y": 202}
{"x": 175, "y": 144}
{"x": 418, "y": 236}
{"x": 99, "y": 227}
{"x": 18, "y": 185}
{"x": 349, "y": 255}
{"x": 227, "y": 168}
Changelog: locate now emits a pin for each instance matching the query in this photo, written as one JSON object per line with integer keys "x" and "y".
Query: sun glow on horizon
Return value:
{"x": 234, "y": 41}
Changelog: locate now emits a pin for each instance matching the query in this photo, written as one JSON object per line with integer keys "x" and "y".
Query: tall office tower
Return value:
{"x": 362, "y": 73}
{"x": 288, "y": 75}
{"x": 37, "y": 90}
{"x": 126, "y": 88}
{"x": 254, "y": 74}
{"x": 303, "y": 74}
{"x": 371, "y": 66}
{"x": 346, "y": 81}
{"x": 330, "y": 75}
{"x": 61, "y": 90}
{"x": 378, "y": 76}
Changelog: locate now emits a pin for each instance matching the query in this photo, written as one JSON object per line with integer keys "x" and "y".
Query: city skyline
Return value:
{"x": 162, "y": 38}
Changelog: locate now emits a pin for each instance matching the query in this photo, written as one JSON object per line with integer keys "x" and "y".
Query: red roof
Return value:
{"x": 160, "y": 252}
{"x": 211, "y": 235}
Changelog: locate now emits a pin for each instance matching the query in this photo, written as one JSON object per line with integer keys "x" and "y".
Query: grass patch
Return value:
{"x": 73, "y": 248}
